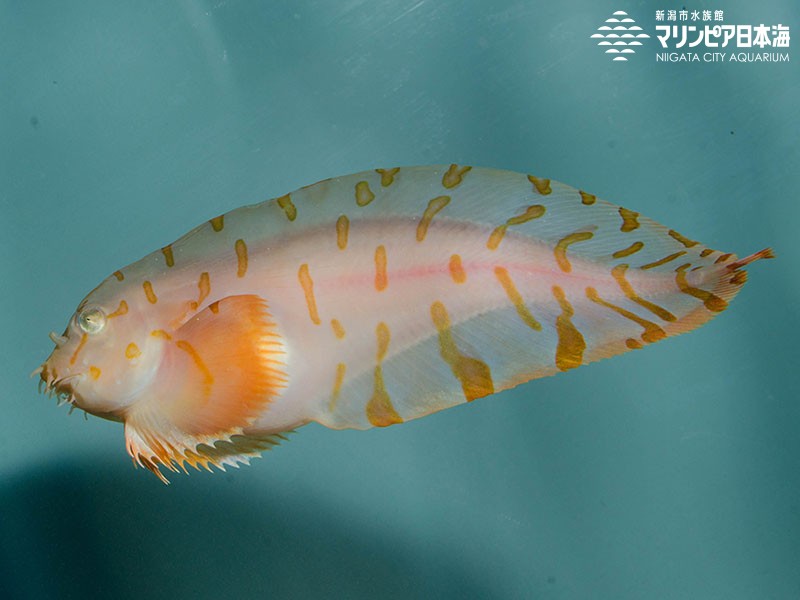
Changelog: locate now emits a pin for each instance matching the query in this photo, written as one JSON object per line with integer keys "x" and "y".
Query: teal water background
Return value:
{"x": 668, "y": 473}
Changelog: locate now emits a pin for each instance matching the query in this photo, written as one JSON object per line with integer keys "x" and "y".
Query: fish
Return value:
{"x": 370, "y": 300}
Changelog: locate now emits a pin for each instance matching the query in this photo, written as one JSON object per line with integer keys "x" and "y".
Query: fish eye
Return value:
{"x": 92, "y": 320}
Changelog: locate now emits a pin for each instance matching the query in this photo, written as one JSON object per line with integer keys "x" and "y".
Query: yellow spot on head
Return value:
{"x": 516, "y": 298}
{"x": 285, "y": 202}
{"x": 381, "y": 277}
{"x": 342, "y": 231}
{"x": 454, "y": 176}
{"x": 94, "y": 373}
{"x": 241, "y": 258}
{"x": 457, "y": 269}
{"x": 81, "y": 344}
{"x": 542, "y": 186}
{"x": 217, "y": 223}
{"x": 474, "y": 374}
{"x": 119, "y": 275}
{"x": 122, "y": 309}
{"x": 308, "y": 290}
{"x": 148, "y": 291}
{"x": 560, "y": 250}
{"x": 587, "y": 198}
{"x": 387, "y": 175}
{"x": 132, "y": 351}
{"x": 364, "y": 195}
{"x": 569, "y": 351}
{"x": 532, "y": 212}
{"x": 167, "y": 252}
{"x": 434, "y": 206}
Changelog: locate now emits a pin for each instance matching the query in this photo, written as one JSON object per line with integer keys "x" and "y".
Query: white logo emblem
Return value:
{"x": 620, "y": 35}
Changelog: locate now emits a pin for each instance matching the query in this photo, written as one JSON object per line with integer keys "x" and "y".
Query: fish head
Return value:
{"x": 108, "y": 354}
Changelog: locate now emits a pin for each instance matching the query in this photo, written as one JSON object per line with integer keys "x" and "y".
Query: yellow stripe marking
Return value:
{"x": 434, "y": 206}
{"x": 81, "y": 344}
{"x": 217, "y": 223}
{"x": 132, "y": 351}
{"x": 379, "y": 409}
{"x": 532, "y": 212}
{"x": 342, "y": 231}
{"x": 541, "y": 185}
{"x": 560, "y": 250}
{"x": 586, "y": 198}
{"x": 722, "y": 258}
{"x": 214, "y": 307}
{"x": 652, "y": 332}
{"x": 148, "y": 291}
{"x": 160, "y": 333}
{"x": 705, "y": 252}
{"x": 618, "y": 273}
{"x": 457, "y": 269}
{"x": 122, "y": 309}
{"x": 338, "y": 330}
{"x": 308, "y": 289}
{"x": 633, "y": 344}
{"x": 119, "y": 275}
{"x": 364, "y": 195}
{"x": 204, "y": 285}
{"x": 516, "y": 298}
{"x": 632, "y": 249}
{"x": 208, "y": 378}
{"x": 94, "y": 372}
{"x": 454, "y": 176}
{"x": 739, "y": 278}
{"x": 629, "y": 220}
{"x": 711, "y": 301}
{"x": 474, "y": 374}
{"x": 241, "y": 258}
{"x": 664, "y": 260}
{"x": 569, "y": 352}
{"x": 285, "y": 202}
{"x": 341, "y": 369}
{"x": 683, "y": 240}
{"x": 168, "y": 257}
{"x": 381, "y": 277}
{"x": 387, "y": 175}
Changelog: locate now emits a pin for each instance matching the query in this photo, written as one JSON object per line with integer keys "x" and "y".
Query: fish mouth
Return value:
{"x": 61, "y": 387}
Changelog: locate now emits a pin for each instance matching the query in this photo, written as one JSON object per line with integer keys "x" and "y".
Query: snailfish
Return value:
{"x": 370, "y": 300}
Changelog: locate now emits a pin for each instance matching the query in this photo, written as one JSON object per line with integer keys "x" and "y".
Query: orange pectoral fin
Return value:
{"x": 221, "y": 370}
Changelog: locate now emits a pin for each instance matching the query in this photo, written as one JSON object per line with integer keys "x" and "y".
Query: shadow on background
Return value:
{"x": 70, "y": 531}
